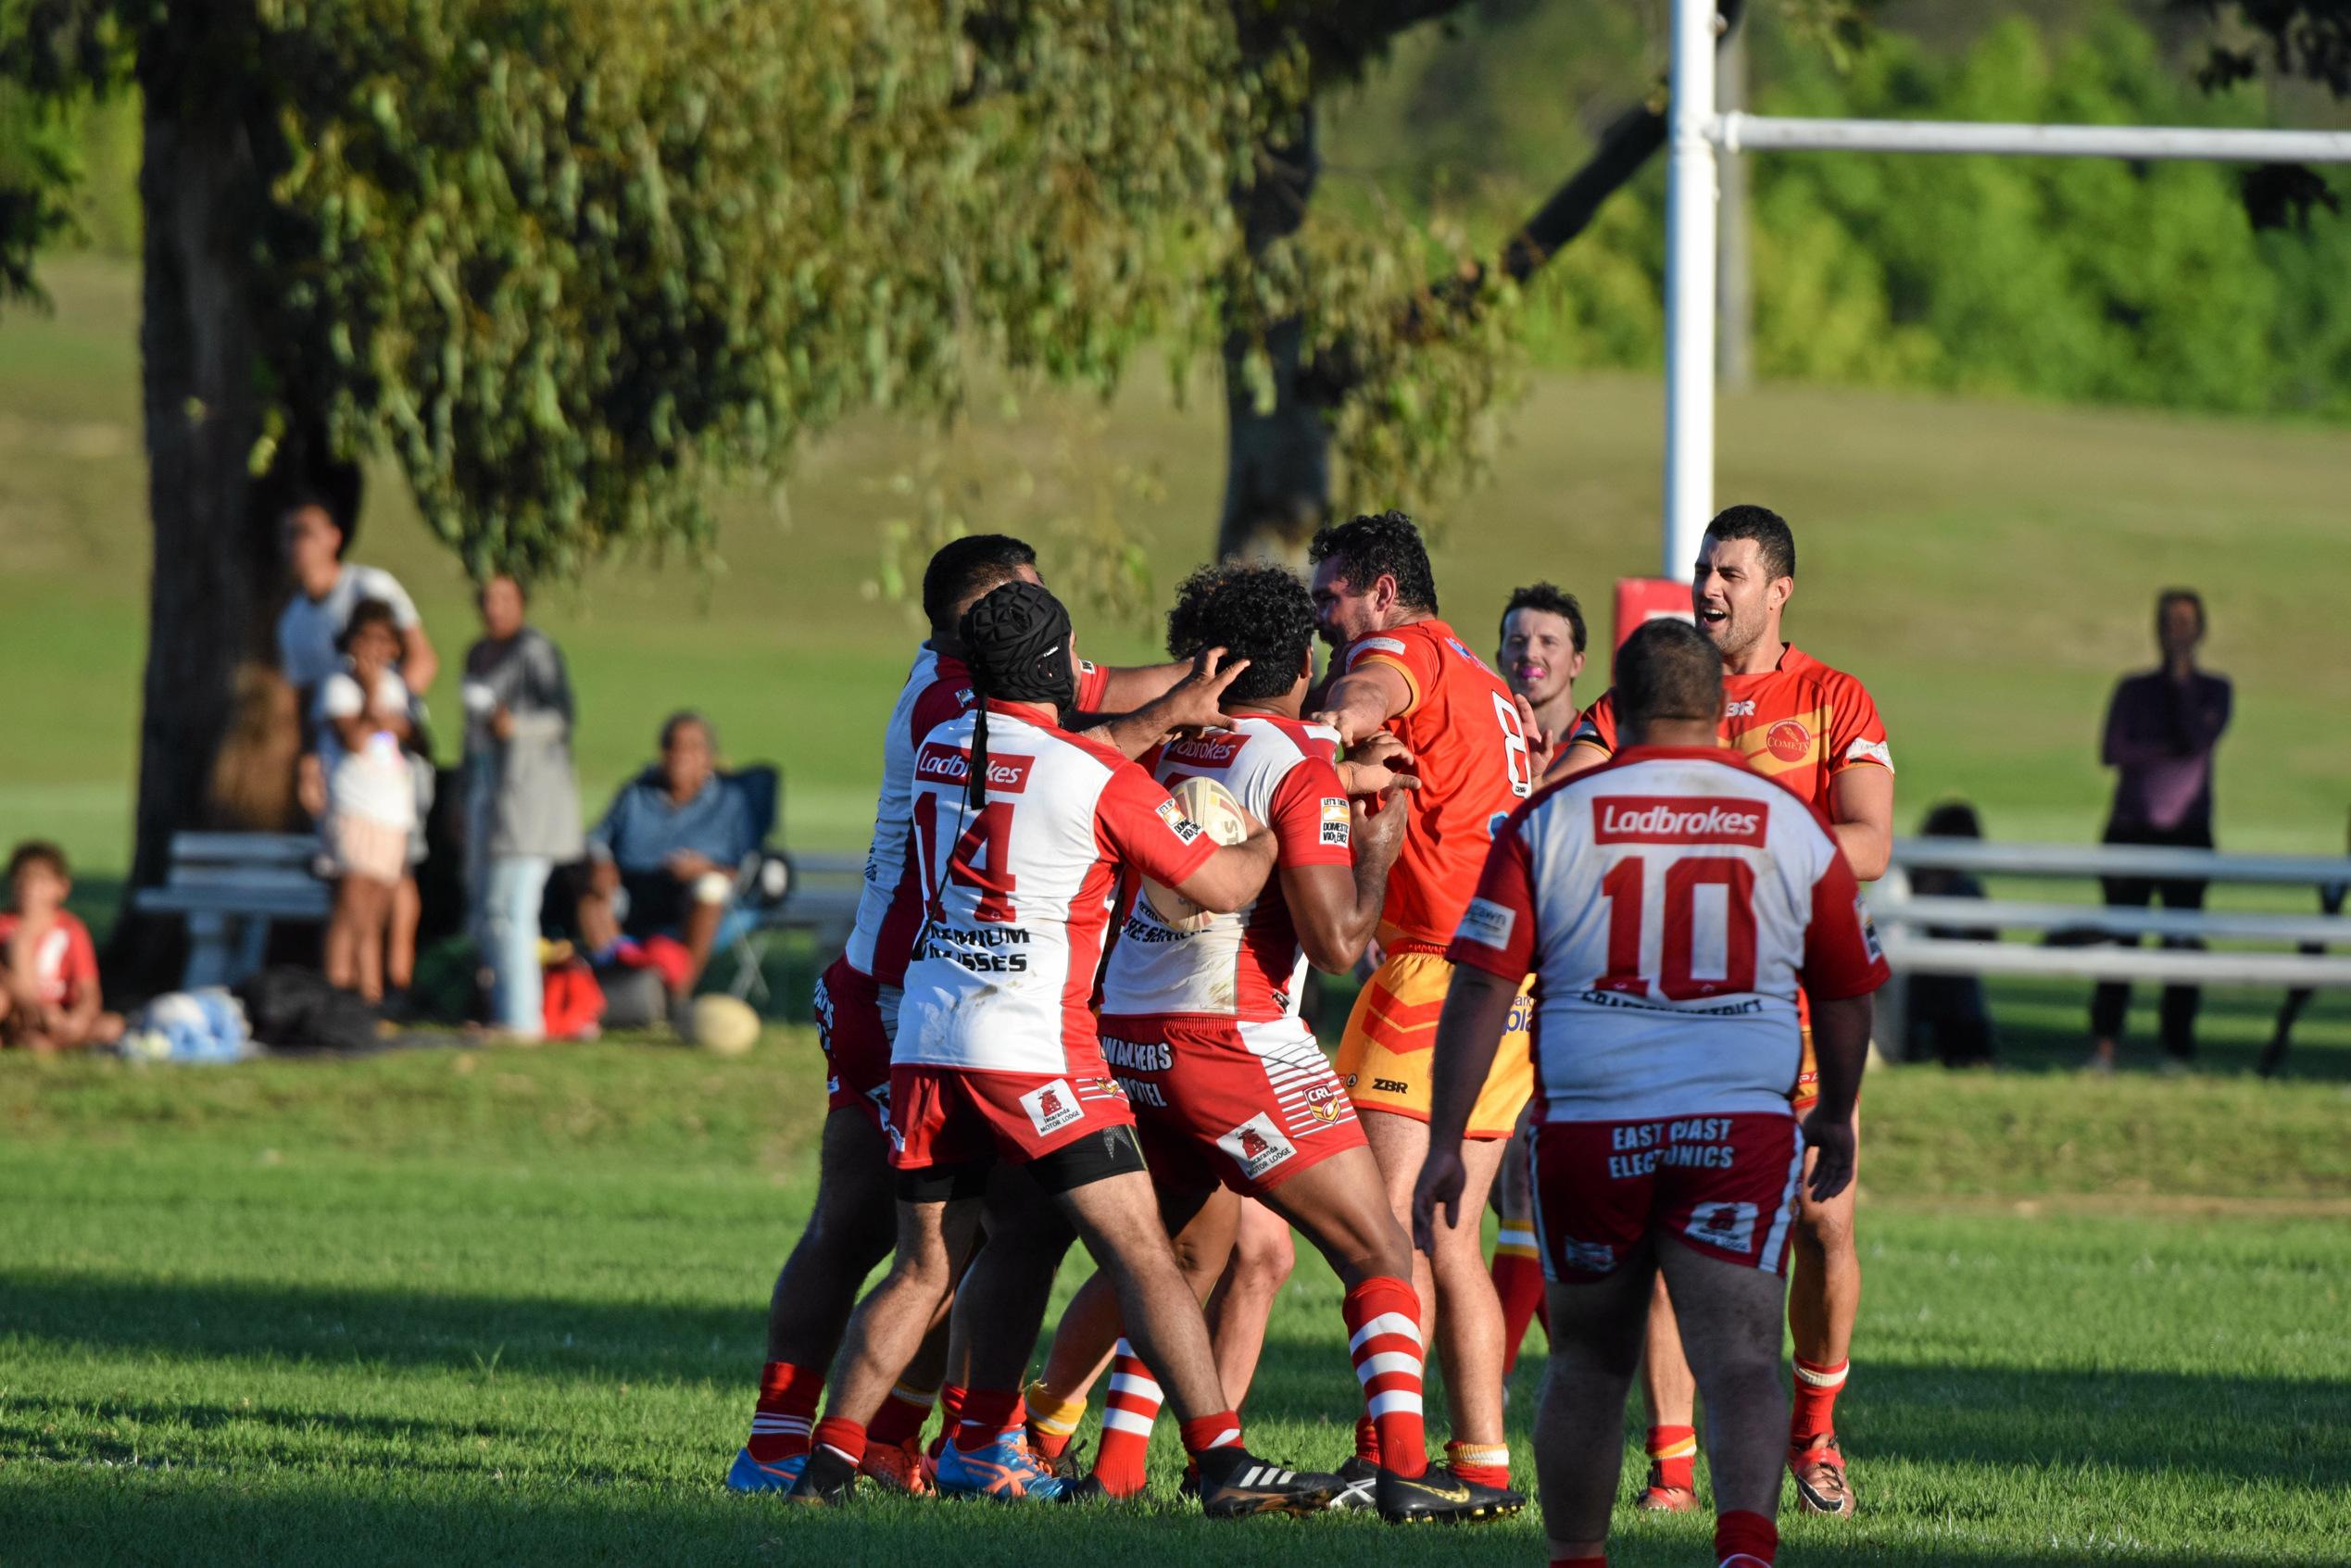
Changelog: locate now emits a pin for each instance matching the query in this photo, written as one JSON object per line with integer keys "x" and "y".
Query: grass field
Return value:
{"x": 465, "y": 1306}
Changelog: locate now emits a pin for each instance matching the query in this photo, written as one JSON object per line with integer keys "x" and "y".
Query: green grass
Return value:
{"x": 456, "y": 1306}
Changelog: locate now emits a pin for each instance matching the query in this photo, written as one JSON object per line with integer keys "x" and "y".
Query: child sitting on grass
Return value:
{"x": 364, "y": 733}
{"x": 48, "y": 970}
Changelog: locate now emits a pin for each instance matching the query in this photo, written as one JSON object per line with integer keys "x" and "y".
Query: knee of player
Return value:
{"x": 1263, "y": 1258}
{"x": 1826, "y": 1227}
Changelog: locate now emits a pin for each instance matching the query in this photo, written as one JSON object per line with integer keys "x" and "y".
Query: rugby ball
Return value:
{"x": 1212, "y": 805}
{"x": 722, "y": 1026}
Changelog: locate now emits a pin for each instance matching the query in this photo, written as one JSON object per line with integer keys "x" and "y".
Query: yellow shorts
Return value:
{"x": 1385, "y": 1055}
{"x": 1807, "y": 1091}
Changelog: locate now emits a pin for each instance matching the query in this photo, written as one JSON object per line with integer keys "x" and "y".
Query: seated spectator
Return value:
{"x": 365, "y": 734}
{"x": 522, "y": 803}
{"x": 663, "y": 862}
{"x": 48, "y": 969}
{"x": 1948, "y": 1011}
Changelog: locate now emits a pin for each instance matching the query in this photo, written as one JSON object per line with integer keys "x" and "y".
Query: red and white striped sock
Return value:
{"x": 1814, "y": 1415}
{"x": 1127, "y": 1415}
{"x": 787, "y": 1408}
{"x": 1673, "y": 1450}
{"x": 1383, "y": 1337}
{"x": 1488, "y": 1464}
{"x": 843, "y": 1436}
{"x": 1518, "y": 1281}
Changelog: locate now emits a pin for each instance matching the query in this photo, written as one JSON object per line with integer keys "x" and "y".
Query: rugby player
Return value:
{"x": 1816, "y": 731}
{"x": 1540, "y": 655}
{"x": 1668, "y": 905}
{"x": 852, "y": 1225}
{"x": 1232, "y": 1094}
{"x": 1400, "y": 668}
{"x": 1019, "y": 829}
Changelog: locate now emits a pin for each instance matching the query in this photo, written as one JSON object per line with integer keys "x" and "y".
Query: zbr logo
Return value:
{"x": 1051, "y": 1107}
{"x": 1789, "y": 740}
{"x": 937, "y": 763}
{"x": 1730, "y": 1226}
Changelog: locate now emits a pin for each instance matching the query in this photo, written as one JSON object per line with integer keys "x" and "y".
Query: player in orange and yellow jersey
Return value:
{"x": 1400, "y": 668}
{"x": 1816, "y": 731}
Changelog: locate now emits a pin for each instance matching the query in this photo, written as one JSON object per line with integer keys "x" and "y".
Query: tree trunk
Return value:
{"x": 216, "y": 563}
{"x": 1277, "y": 460}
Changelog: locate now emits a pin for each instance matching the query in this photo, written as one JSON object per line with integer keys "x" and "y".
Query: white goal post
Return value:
{"x": 1698, "y": 135}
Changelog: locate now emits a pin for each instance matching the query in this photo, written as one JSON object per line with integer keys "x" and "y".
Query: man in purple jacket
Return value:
{"x": 2162, "y": 729}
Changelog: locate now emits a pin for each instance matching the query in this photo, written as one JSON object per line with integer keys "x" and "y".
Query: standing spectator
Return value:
{"x": 522, "y": 803}
{"x": 326, "y": 590}
{"x": 364, "y": 733}
{"x": 2162, "y": 729}
{"x": 48, "y": 969}
{"x": 662, "y": 862}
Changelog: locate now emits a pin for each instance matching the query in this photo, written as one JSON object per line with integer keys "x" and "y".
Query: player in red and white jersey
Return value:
{"x": 1816, "y": 731}
{"x": 1021, "y": 830}
{"x": 1668, "y": 905}
{"x": 1232, "y": 1094}
{"x": 1398, "y": 666}
{"x": 852, "y": 1226}
{"x": 1541, "y": 653}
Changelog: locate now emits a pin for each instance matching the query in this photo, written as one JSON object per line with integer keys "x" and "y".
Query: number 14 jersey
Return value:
{"x": 1016, "y": 894}
{"x": 1670, "y": 903}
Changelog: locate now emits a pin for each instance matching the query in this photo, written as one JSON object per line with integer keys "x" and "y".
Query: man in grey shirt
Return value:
{"x": 522, "y": 801}
{"x": 2162, "y": 727}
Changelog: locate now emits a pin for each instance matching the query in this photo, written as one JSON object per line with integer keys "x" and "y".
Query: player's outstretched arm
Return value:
{"x": 1232, "y": 878}
{"x": 1335, "y": 910}
{"x": 1469, "y": 1030}
{"x": 1191, "y": 703}
{"x": 1365, "y": 698}
{"x": 1841, "y": 1044}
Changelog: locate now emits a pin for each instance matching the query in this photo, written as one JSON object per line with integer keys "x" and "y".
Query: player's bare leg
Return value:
{"x": 851, "y": 1228}
{"x": 1670, "y": 1392}
{"x": 1733, "y": 1314}
{"x": 1824, "y": 1300}
{"x": 1118, "y": 1219}
{"x": 1263, "y": 1257}
{"x": 1083, "y": 1342}
{"x": 1596, "y": 1331}
{"x": 1455, "y": 1290}
{"x": 1201, "y": 1226}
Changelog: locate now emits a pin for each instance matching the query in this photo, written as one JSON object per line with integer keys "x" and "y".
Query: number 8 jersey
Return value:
{"x": 1463, "y": 730}
{"x": 1017, "y": 894}
{"x": 1670, "y": 903}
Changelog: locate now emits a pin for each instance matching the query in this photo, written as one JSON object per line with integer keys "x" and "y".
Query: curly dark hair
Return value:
{"x": 1368, "y": 548}
{"x": 1547, "y": 598}
{"x": 1254, "y": 610}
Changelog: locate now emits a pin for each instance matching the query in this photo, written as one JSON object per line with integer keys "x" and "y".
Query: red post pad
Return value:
{"x": 1642, "y": 599}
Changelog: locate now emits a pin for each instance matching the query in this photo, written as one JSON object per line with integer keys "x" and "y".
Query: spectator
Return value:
{"x": 662, "y": 862}
{"x": 2330, "y": 899}
{"x": 522, "y": 803}
{"x": 364, "y": 736}
{"x": 2162, "y": 729}
{"x": 1949, "y": 1009}
{"x": 48, "y": 968}
{"x": 252, "y": 772}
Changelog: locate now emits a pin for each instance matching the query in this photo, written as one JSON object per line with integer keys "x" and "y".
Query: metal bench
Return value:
{"x": 231, "y": 888}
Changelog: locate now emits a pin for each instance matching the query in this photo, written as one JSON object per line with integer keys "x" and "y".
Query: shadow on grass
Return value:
{"x": 2290, "y": 1431}
{"x": 58, "y": 1512}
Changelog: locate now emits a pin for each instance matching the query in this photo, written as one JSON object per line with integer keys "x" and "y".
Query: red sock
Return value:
{"x": 844, "y": 1436}
{"x": 1488, "y": 1464}
{"x": 986, "y": 1413}
{"x": 1599, "y": 1561}
{"x": 1815, "y": 1415}
{"x": 951, "y": 1413}
{"x": 1383, "y": 1336}
{"x": 1210, "y": 1433}
{"x": 900, "y": 1419}
{"x": 1127, "y": 1414}
{"x": 787, "y": 1405}
{"x": 1367, "y": 1439}
{"x": 1740, "y": 1531}
{"x": 1518, "y": 1280}
{"x": 1674, "y": 1449}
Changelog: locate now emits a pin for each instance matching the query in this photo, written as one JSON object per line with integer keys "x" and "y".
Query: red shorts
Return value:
{"x": 1221, "y": 1100}
{"x": 1722, "y": 1185}
{"x": 947, "y": 1116}
{"x": 857, "y": 1044}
